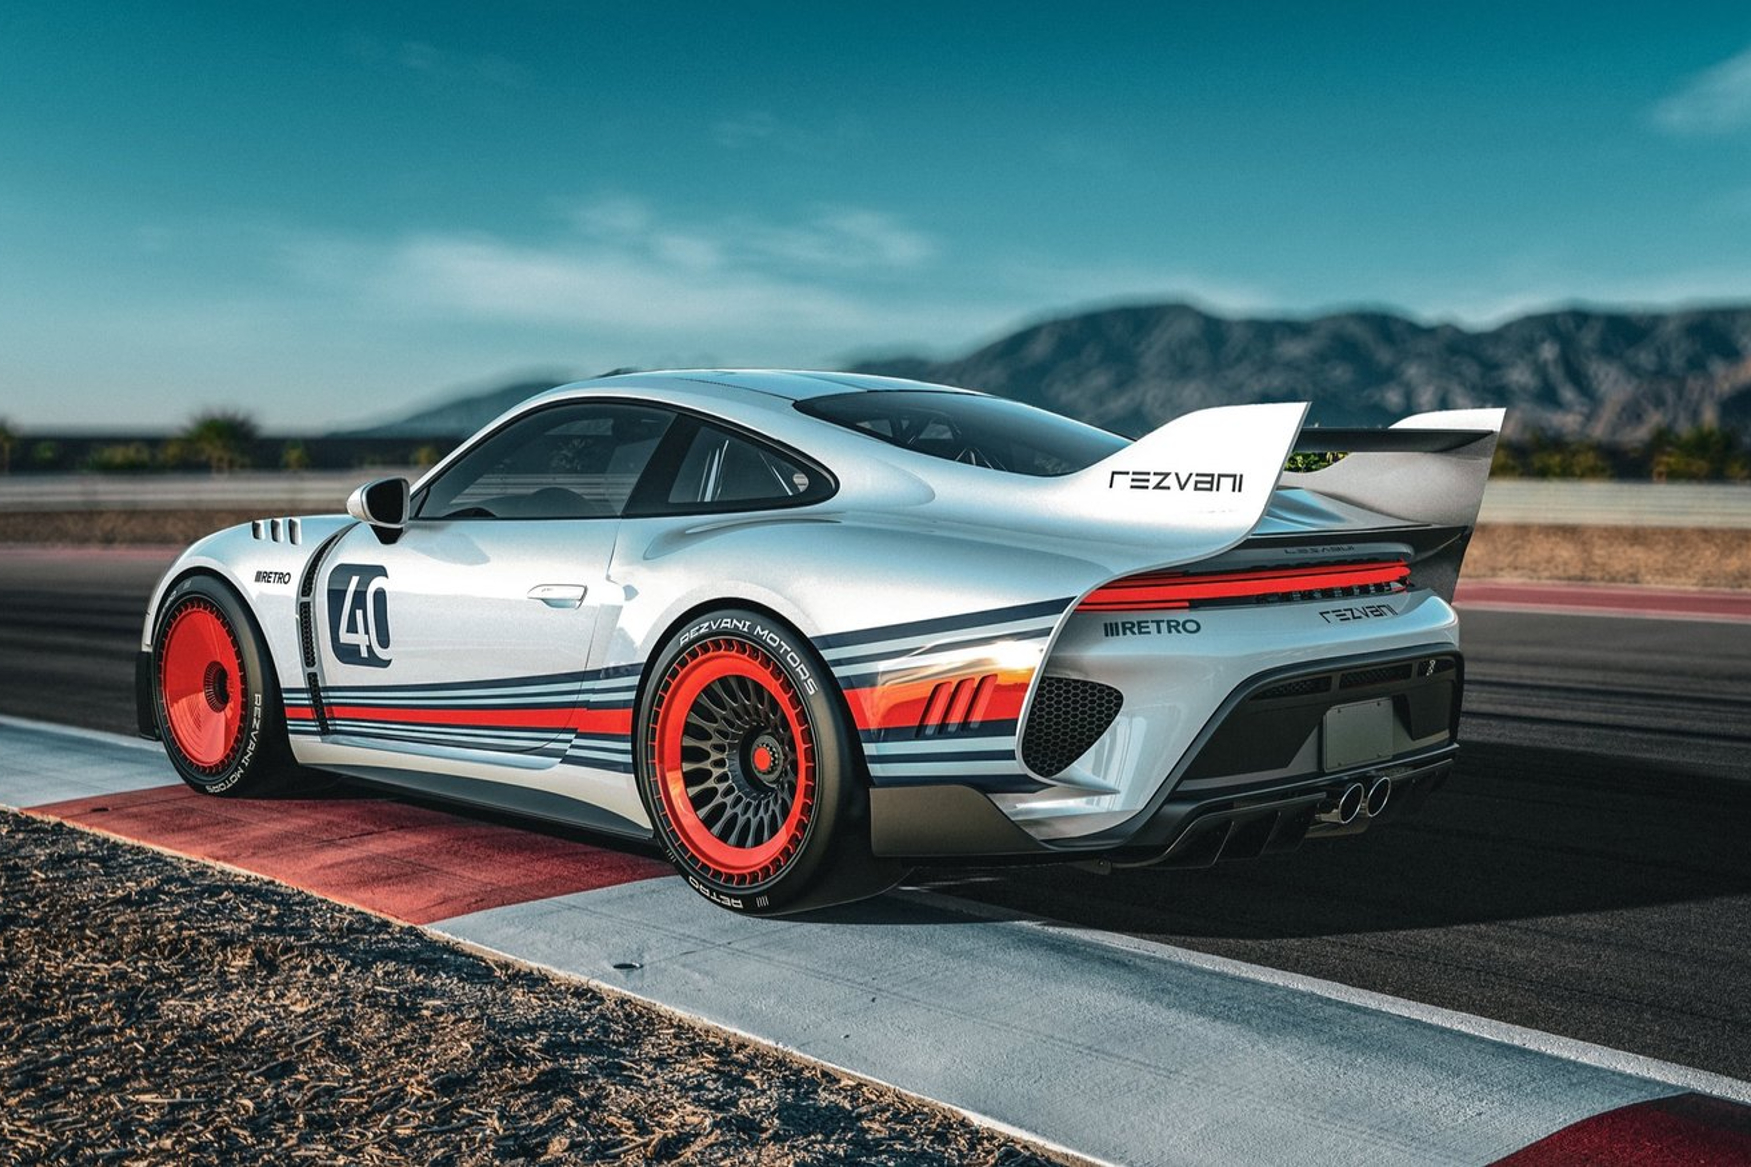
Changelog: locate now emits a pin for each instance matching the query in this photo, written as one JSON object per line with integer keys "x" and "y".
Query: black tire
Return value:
{"x": 750, "y": 772}
{"x": 214, "y": 695}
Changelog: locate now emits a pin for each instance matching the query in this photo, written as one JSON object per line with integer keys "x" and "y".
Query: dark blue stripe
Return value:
{"x": 947, "y": 646}
{"x": 989, "y": 783}
{"x": 944, "y": 624}
{"x": 908, "y": 733}
{"x": 598, "y": 764}
{"x": 578, "y": 678}
{"x": 942, "y": 759}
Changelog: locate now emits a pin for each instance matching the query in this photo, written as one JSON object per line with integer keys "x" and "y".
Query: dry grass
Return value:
{"x": 117, "y": 528}
{"x": 155, "y": 1010}
{"x": 1691, "y": 557}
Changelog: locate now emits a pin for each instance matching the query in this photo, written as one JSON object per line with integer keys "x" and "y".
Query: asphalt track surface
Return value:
{"x": 1586, "y": 871}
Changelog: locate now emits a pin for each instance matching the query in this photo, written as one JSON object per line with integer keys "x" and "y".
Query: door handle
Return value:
{"x": 558, "y": 595}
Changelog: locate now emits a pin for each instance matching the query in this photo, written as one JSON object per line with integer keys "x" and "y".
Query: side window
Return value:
{"x": 565, "y": 462}
{"x": 721, "y": 470}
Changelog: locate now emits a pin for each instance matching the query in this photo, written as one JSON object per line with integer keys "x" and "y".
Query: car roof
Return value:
{"x": 789, "y": 384}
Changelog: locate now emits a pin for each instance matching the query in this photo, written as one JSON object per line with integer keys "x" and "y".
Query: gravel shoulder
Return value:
{"x": 156, "y": 1010}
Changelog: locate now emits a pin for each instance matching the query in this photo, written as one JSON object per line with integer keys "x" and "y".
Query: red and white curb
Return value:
{"x": 1582, "y": 599}
{"x": 1111, "y": 1048}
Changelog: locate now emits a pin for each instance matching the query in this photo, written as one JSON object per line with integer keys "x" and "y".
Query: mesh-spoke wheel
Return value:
{"x": 734, "y": 756}
{"x": 750, "y": 771}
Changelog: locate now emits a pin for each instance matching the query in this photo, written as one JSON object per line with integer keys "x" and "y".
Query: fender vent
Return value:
{"x": 306, "y": 633}
{"x": 956, "y": 705}
{"x": 1068, "y": 716}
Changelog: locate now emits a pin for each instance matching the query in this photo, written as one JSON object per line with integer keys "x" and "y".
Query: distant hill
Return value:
{"x": 1613, "y": 377}
{"x": 457, "y": 418}
{"x": 1609, "y": 376}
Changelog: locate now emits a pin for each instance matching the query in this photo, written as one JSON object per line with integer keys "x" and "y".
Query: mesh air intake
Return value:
{"x": 1068, "y": 716}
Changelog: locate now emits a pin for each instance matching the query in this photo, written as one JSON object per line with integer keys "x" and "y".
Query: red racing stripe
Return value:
{"x": 609, "y": 721}
{"x": 1685, "y": 1130}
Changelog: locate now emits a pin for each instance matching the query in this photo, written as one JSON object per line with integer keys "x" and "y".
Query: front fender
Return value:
{"x": 264, "y": 562}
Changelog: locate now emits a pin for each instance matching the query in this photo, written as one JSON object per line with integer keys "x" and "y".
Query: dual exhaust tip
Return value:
{"x": 1344, "y": 807}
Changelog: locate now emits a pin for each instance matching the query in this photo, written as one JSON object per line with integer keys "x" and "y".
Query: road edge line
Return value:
{"x": 108, "y": 737}
{"x": 1537, "y": 1041}
{"x": 1572, "y": 1049}
{"x": 487, "y": 952}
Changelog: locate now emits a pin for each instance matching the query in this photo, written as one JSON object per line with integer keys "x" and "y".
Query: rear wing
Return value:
{"x": 1427, "y": 470}
{"x": 1199, "y": 485}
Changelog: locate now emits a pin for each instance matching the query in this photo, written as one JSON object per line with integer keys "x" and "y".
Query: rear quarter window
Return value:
{"x": 969, "y": 428}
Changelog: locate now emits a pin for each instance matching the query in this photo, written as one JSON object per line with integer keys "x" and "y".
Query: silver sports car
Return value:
{"x": 807, "y": 629}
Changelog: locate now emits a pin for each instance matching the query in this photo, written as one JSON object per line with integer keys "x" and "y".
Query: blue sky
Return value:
{"x": 322, "y": 213}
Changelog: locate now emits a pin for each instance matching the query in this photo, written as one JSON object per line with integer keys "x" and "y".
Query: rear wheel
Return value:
{"x": 217, "y": 705}
{"x": 749, "y": 770}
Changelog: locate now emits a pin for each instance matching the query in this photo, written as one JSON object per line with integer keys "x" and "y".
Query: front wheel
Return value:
{"x": 749, "y": 769}
{"x": 217, "y": 706}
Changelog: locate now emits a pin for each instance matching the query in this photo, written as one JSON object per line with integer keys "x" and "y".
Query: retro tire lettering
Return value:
{"x": 750, "y": 771}
{"x": 217, "y": 704}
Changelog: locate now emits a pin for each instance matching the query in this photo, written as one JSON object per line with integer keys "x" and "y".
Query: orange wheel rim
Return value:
{"x": 201, "y": 682}
{"x": 733, "y": 754}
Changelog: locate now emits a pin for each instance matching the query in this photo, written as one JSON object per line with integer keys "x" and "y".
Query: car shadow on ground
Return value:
{"x": 1515, "y": 834}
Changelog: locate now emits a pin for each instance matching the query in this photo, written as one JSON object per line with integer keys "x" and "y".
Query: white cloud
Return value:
{"x": 743, "y": 130}
{"x": 1715, "y": 101}
{"x": 624, "y": 279}
{"x": 437, "y": 64}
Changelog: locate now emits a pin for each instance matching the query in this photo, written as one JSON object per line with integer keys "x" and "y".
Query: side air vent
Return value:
{"x": 307, "y": 634}
{"x": 1068, "y": 716}
{"x": 277, "y": 530}
{"x": 956, "y": 705}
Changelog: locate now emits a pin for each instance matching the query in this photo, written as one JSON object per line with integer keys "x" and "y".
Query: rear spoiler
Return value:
{"x": 1197, "y": 486}
{"x": 1318, "y": 439}
{"x": 1188, "y": 490}
{"x": 1427, "y": 470}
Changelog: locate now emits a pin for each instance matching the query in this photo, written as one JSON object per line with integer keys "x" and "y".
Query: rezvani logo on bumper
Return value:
{"x": 1358, "y": 612}
{"x": 358, "y": 615}
{"x": 1203, "y": 481}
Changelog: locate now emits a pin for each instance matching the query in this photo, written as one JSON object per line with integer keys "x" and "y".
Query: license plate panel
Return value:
{"x": 1357, "y": 734}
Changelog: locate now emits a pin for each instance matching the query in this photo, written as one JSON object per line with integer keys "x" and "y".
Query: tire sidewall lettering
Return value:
{"x": 256, "y": 677}
{"x": 786, "y": 653}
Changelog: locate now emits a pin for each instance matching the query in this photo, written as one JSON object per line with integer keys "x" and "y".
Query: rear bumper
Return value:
{"x": 1255, "y": 781}
{"x": 1196, "y": 832}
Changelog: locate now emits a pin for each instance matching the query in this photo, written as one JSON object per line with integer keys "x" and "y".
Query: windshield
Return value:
{"x": 962, "y": 427}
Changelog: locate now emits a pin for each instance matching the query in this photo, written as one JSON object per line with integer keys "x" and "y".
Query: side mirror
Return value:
{"x": 384, "y": 505}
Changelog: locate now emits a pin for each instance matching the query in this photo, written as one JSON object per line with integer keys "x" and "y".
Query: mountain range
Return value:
{"x": 1612, "y": 377}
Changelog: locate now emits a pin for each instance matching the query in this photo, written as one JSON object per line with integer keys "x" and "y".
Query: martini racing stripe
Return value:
{"x": 940, "y": 701}
{"x": 992, "y": 622}
{"x": 519, "y": 714}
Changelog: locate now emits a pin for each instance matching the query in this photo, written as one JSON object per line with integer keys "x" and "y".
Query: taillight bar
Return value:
{"x": 1167, "y": 589}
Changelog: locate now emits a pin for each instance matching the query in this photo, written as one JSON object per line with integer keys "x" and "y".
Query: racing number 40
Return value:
{"x": 358, "y": 615}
